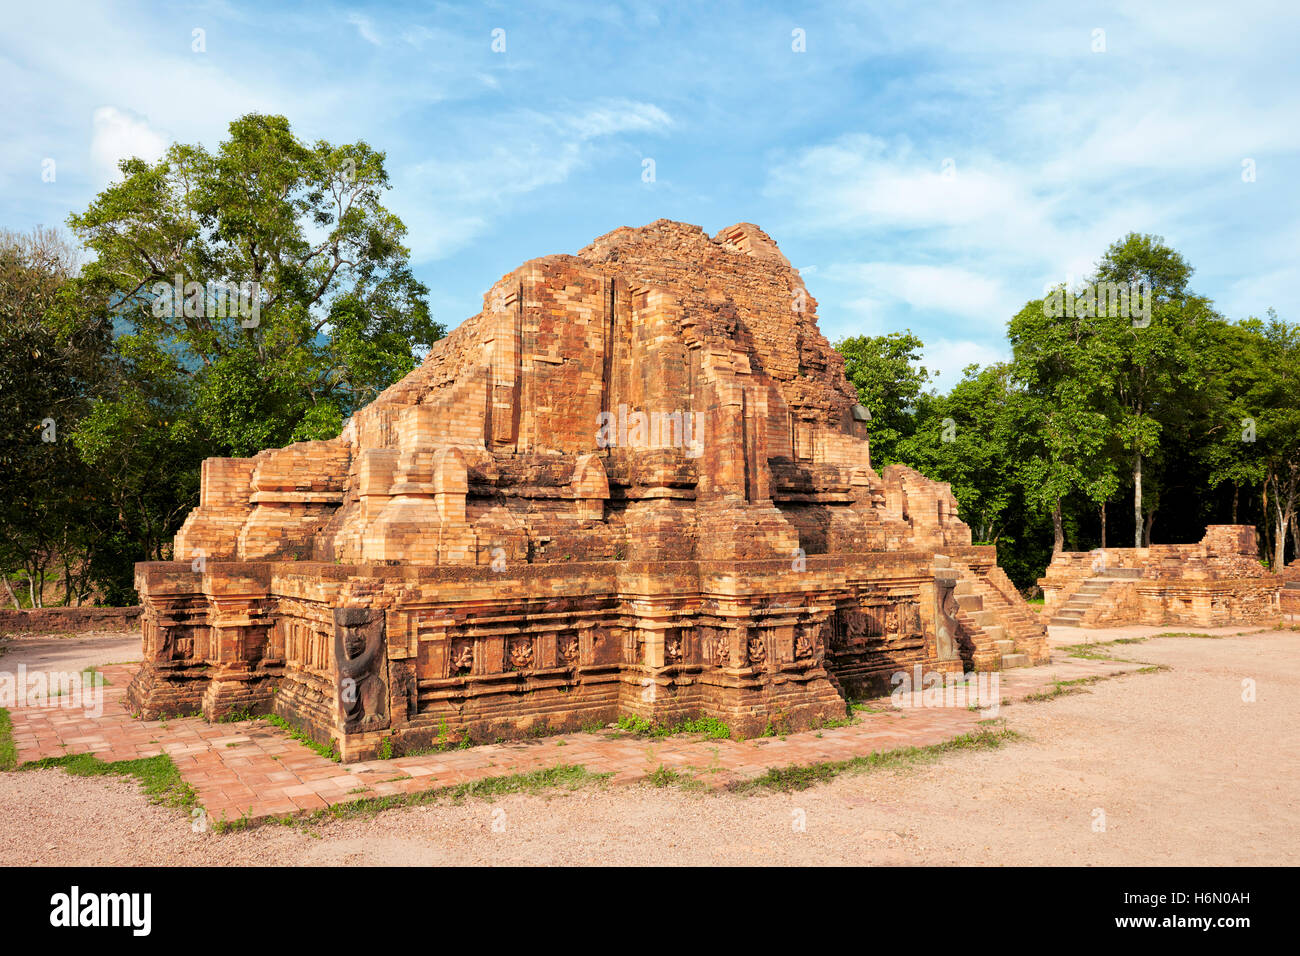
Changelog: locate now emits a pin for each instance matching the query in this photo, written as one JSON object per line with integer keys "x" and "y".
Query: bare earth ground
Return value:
{"x": 1184, "y": 770}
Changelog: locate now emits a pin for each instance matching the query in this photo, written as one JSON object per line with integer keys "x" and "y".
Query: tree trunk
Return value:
{"x": 1058, "y": 529}
{"x": 1263, "y": 520}
{"x": 1137, "y": 500}
{"x": 1279, "y": 540}
{"x": 18, "y": 606}
{"x": 1235, "y": 489}
{"x": 1103, "y": 526}
{"x": 1151, "y": 519}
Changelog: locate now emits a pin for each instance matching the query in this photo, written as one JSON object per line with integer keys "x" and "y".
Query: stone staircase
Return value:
{"x": 1071, "y": 613}
{"x": 993, "y": 646}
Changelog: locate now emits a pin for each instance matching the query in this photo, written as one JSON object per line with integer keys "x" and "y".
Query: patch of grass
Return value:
{"x": 442, "y": 743}
{"x": 1096, "y": 651}
{"x": 803, "y": 776}
{"x": 8, "y": 749}
{"x": 834, "y": 722}
{"x": 1211, "y": 637}
{"x": 862, "y": 707}
{"x": 710, "y": 727}
{"x": 159, "y": 777}
{"x": 235, "y": 716}
{"x": 1064, "y": 687}
{"x": 93, "y": 677}
{"x": 663, "y": 776}
{"x": 386, "y": 749}
{"x": 635, "y": 725}
{"x": 562, "y": 776}
{"x": 329, "y": 753}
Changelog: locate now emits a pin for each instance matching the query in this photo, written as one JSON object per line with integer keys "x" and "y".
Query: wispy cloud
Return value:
{"x": 839, "y": 151}
{"x": 365, "y": 28}
{"x": 117, "y": 135}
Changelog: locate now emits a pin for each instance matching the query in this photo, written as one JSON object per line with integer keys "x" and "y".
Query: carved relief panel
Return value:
{"x": 362, "y": 668}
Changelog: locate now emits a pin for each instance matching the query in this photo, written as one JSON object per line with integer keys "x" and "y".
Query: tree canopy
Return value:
{"x": 230, "y": 300}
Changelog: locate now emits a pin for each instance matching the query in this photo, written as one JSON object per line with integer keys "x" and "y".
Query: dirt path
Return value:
{"x": 1184, "y": 770}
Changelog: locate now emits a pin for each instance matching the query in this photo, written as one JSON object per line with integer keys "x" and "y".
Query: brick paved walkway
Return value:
{"x": 252, "y": 768}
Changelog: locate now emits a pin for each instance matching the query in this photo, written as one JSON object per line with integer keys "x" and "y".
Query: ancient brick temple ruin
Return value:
{"x": 1215, "y": 582}
{"x": 636, "y": 482}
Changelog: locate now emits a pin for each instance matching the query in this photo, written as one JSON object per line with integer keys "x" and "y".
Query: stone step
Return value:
{"x": 970, "y": 602}
{"x": 1015, "y": 660}
{"x": 964, "y": 587}
{"x": 995, "y": 633}
{"x": 1005, "y": 647}
{"x": 984, "y": 618}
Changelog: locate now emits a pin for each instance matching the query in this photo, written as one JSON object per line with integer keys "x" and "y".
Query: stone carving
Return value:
{"x": 569, "y": 650}
{"x": 521, "y": 654}
{"x": 358, "y": 655}
{"x": 462, "y": 658}
{"x": 720, "y": 648}
{"x": 757, "y": 651}
{"x": 673, "y": 649}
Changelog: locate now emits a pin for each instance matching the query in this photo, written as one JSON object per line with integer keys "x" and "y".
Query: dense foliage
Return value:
{"x": 229, "y": 302}
{"x": 1119, "y": 420}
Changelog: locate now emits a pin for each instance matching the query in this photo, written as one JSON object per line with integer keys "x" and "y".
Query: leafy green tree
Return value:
{"x": 1149, "y": 362}
{"x": 968, "y": 438}
{"x": 264, "y": 281}
{"x": 52, "y": 357}
{"x": 1065, "y": 433}
{"x": 889, "y": 380}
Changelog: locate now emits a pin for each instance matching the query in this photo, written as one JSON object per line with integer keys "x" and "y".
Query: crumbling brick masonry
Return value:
{"x": 636, "y": 482}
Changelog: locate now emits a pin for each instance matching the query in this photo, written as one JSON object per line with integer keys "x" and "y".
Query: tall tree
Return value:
{"x": 52, "y": 357}
{"x": 1147, "y": 351}
{"x": 887, "y": 373}
{"x": 1064, "y": 427}
{"x": 265, "y": 280}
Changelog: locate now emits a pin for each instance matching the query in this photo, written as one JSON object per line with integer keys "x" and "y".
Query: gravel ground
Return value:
{"x": 1184, "y": 771}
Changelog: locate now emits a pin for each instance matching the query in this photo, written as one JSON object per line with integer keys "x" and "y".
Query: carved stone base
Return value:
{"x": 159, "y": 691}
{"x": 252, "y": 695}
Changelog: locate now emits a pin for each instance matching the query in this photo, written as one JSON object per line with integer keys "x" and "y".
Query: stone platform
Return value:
{"x": 1214, "y": 582}
{"x": 251, "y": 770}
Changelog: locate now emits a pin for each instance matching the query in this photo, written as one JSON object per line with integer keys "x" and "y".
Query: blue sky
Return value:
{"x": 927, "y": 166}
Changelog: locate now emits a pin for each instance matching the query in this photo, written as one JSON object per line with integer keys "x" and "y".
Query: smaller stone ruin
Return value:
{"x": 1217, "y": 581}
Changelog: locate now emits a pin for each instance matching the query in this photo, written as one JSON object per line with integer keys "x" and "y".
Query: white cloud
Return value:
{"x": 365, "y": 28}
{"x": 519, "y": 154}
{"x": 943, "y": 288}
{"x": 118, "y": 135}
{"x": 944, "y": 359}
